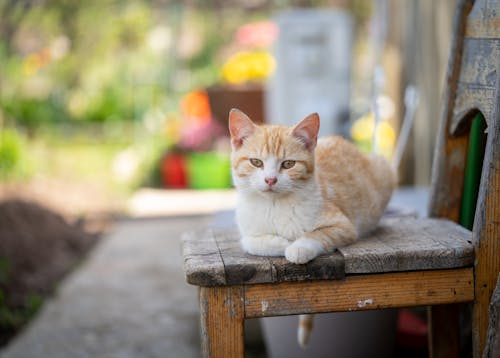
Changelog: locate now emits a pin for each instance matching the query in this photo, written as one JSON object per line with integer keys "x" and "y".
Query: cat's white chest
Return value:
{"x": 286, "y": 217}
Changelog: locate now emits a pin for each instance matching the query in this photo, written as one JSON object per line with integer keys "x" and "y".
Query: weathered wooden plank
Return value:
{"x": 471, "y": 99}
{"x": 222, "y": 318}
{"x": 477, "y": 81}
{"x": 492, "y": 346}
{"x": 405, "y": 244}
{"x": 241, "y": 267}
{"x": 450, "y": 152}
{"x": 399, "y": 244}
{"x": 486, "y": 230}
{"x": 448, "y": 172}
{"x": 479, "y": 62}
{"x": 203, "y": 265}
{"x": 326, "y": 267}
{"x": 216, "y": 258}
{"x": 483, "y": 19}
{"x": 360, "y": 292}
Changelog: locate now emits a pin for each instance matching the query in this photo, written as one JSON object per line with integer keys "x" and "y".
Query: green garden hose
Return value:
{"x": 473, "y": 168}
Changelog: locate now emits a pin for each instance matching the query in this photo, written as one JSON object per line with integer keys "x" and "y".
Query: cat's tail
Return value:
{"x": 305, "y": 328}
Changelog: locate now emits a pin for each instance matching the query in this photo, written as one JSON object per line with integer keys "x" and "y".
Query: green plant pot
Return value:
{"x": 209, "y": 170}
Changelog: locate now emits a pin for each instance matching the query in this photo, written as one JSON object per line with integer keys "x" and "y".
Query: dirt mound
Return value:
{"x": 37, "y": 248}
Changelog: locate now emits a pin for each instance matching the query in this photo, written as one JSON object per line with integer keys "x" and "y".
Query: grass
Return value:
{"x": 81, "y": 163}
{"x": 76, "y": 161}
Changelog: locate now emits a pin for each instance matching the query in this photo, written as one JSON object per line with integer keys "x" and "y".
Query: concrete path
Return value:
{"x": 129, "y": 299}
{"x": 147, "y": 202}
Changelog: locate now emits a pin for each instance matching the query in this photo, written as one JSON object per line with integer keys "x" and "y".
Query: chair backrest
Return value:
{"x": 472, "y": 88}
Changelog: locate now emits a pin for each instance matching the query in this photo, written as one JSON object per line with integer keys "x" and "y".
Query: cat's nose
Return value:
{"x": 271, "y": 181}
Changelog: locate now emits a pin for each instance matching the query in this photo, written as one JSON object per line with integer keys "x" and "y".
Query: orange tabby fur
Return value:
{"x": 330, "y": 196}
{"x": 354, "y": 188}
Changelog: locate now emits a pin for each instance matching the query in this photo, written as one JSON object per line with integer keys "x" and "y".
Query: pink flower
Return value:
{"x": 258, "y": 34}
{"x": 201, "y": 137}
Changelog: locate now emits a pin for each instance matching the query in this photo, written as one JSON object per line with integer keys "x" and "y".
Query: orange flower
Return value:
{"x": 195, "y": 106}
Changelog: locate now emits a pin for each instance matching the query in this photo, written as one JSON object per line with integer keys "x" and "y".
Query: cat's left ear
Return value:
{"x": 240, "y": 127}
{"x": 307, "y": 131}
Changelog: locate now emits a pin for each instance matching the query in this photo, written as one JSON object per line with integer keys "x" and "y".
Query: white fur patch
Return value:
{"x": 264, "y": 245}
{"x": 286, "y": 216}
{"x": 303, "y": 250}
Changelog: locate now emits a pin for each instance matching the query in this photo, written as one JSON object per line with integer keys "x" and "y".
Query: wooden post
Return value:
{"x": 486, "y": 232}
{"x": 492, "y": 346}
{"x": 446, "y": 188}
{"x": 444, "y": 340}
{"x": 222, "y": 321}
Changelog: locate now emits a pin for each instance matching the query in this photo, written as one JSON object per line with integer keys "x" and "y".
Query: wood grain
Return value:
{"x": 476, "y": 84}
{"x": 399, "y": 244}
{"x": 221, "y": 261}
{"x": 448, "y": 173}
{"x": 492, "y": 345}
{"x": 202, "y": 260}
{"x": 222, "y": 322}
{"x": 486, "y": 230}
{"x": 407, "y": 244}
{"x": 361, "y": 292}
{"x": 450, "y": 152}
{"x": 483, "y": 19}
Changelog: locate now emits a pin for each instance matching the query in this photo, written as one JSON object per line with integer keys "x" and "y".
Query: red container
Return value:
{"x": 173, "y": 171}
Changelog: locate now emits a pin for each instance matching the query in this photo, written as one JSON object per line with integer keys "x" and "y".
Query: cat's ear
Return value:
{"x": 307, "y": 131}
{"x": 240, "y": 127}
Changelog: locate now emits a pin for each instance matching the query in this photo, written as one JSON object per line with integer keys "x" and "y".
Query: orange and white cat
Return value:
{"x": 301, "y": 197}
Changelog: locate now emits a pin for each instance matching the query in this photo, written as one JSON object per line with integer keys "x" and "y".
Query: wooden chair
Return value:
{"x": 408, "y": 261}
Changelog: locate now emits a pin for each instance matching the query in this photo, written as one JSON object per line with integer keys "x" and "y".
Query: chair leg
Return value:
{"x": 444, "y": 331}
{"x": 222, "y": 321}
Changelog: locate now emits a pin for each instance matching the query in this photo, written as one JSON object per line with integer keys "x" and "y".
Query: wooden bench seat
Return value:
{"x": 215, "y": 258}
{"x": 406, "y": 262}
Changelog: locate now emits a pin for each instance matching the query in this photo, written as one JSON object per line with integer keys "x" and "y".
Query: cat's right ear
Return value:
{"x": 307, "y": 131}
{"x": 240, "y": 127}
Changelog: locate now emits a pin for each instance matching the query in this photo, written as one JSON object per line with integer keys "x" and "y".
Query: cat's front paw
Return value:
{"x": 303, "y": 250}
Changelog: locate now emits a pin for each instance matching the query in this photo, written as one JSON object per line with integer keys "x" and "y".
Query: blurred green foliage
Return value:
{"x": 13, "y": 161}
{"x": 110, "y": 64}
{"x": 91, "y": 65}
{"x": 67, "y": 61}
{"x": 101, "y": 61}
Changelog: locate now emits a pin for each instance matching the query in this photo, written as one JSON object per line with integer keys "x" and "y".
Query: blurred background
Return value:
{"x": 99, "y": 98}
{"x": 116, "y": 109}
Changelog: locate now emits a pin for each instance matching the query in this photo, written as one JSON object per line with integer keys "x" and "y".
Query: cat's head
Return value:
{"x": 272, "y": 159}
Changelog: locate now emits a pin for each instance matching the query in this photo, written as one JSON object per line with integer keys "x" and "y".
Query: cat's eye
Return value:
{"x": 287, "y": 164}
{"x": 256, "y": 162}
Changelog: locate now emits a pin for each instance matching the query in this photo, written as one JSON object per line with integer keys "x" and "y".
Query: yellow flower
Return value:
{"x": 362, "y": 129}
{"x": 385, "y": 136}
{"x": 362, "y": 132}
{"x": 247, "y": 66}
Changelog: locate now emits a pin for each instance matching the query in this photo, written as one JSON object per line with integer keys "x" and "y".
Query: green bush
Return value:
{"x": 12, "y": 155}
{"x": 32, "y": 113}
